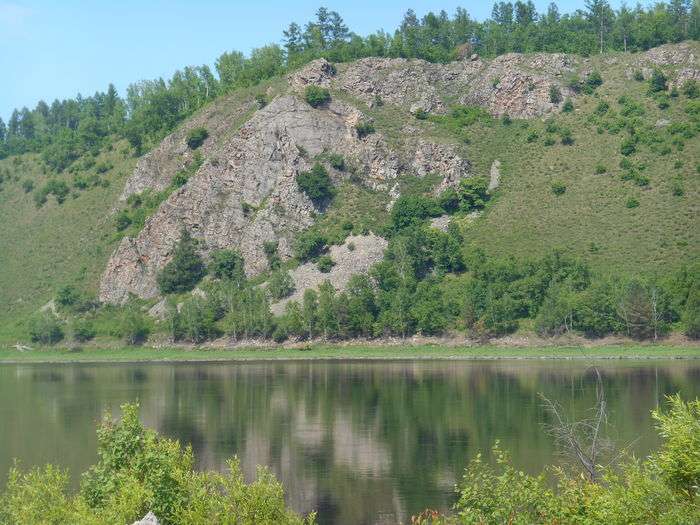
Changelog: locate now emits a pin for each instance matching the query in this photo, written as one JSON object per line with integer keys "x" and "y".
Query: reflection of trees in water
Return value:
{"x": 350, "y": 439}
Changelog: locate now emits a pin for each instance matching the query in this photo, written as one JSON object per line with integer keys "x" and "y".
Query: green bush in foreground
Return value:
{"x": 316, "y": 96}
{"x": 196, "y": 137}
{"x": 140, "y": 471}
{"x": 662, "y": 489}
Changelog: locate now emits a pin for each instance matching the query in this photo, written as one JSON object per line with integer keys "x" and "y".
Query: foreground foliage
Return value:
{"x": 140, "y": 471}
{"x": 664, "y": 488}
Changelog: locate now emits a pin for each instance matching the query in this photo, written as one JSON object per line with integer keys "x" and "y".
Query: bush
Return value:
{"x": 83, "y": 330}
{"x": 138, "y": 470}
{"x": 309, "y": 245}
{"x": 45, "y": 328}
{"x": 316, "y": 184}
{"x": 554, "y": 94}
{"x": 593, "y": 81}
{"x": 261, "y": 100}
{"x": 185, "y": 269}
{"x": 27, "y": 185}
{"x": 196, "y": 137}
{"x": 273, "y": 258}
{"x": 632, "y": 203}
{"x": 473, "y": 193}
{"x": 602, "y": 108}
{"x": 227, "y": 264}
{"x": 628, "y": 146}
{"x": 567, "y": 138}
{"x": 123, "y": 220}
{"x": 549, "y": 141}
{"x": 409, "y": 210}
{"x": 638, "y": 76}
{"x": 691, "y": 311}
{"x": 568, "y": 106}
{"x": 195, "y": 321}
{"x": 67, "y": 296}
{"x": 690, "y": 89}
{"x": 558, "y": 188}
{"x": 134, "y": 328}
{"x": 657, "y": 82}
{"x": 316, "y": 96}
{"x": 336, "y": 161}
{"x": 325, "y": 263}
{"x": 364, "y": 128}
{"x": 533, "y": 136}
{"x": 600, "y": 169}
{"x": 280, "y": 285}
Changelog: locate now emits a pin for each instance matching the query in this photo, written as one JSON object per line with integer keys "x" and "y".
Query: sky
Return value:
{"x": 51, "y": 49}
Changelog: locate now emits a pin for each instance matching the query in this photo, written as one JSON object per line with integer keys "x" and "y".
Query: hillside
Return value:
{"x": 602, "y": 170}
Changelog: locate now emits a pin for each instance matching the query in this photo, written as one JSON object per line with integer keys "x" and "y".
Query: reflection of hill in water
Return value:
{"x": 351, "y": 439}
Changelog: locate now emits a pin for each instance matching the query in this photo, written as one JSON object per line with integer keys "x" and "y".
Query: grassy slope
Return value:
{"x": 123, "y": 354}
{"x": 55, "y": 245}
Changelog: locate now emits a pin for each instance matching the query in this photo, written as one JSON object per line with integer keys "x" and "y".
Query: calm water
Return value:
{"x": 361, "y": 442}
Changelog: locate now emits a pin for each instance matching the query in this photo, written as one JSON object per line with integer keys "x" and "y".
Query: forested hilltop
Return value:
{"x": 534, "y": 172}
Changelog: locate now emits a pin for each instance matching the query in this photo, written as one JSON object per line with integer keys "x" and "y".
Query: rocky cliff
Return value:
{"x": 245, "y": 192}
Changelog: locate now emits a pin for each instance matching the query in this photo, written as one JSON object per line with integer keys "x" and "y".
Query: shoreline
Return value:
{"x": 337, "y": 353}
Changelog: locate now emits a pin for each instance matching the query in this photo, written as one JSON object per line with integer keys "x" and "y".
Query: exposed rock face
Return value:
{"x": 157, "y": 168}
{"x": 513, "y": 84}
{"x": 318, "y": 72}
{"x": 439, "y": 158}
{"x": 366, "y": 251}
{"x": 148, "y": 519}
{"x": 494, "y": 175}
{"x": 519, "y": 85}
{"x": 670, "y": 55}
{"x": 246, "y": 192}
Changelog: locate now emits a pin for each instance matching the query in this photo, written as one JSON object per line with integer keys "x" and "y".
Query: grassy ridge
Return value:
{"x": 368, "y": 352}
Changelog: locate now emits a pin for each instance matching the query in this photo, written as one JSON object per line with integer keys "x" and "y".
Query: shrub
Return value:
{"x": 133, "y": 327}
{"x": 196, "y": 137}
{"x": 567, "y": 138}
{"x": 558, "y": 188}
{"x": 657, "y": 82}
{"x": 691, "y": 311}
{"x": 600, "y": 169}
{"x": 632, "y": 203}
{"x": 122, "y": 220}
{"x": 273, "y": 258}
{"x": 45, "y": 328}
{"x": 364, "y": 128}
{"x": 593, "y": 81}
{"x": 325, "y": 264}
{"x": 628, "y": 146}
{"x": 409, "y": 210}
{"x": 473, "y": 193}
{"x": 568, "y": 106}
{"x": 138, "y": 470}
{"x": 261, "y": 100}
{"x": 602, "y": 108}
{"x": 420, "y": 114}
{"x": 662, "y": 102}
{"x": 554, "y": 94}
{"x": 309, "y": 245}
{"x": 549, "y": 141}
{"x": 195, "y": 321}
{"x": 83, "y": 330}
{"x": 27, "y": 185}
{"x": 336, "y": 161}
{"x": 638, "y": 76}
{"x": 316, "y": 96}
{"x": 316, "y": 184}
{"x": 227, "y": 264}
{"x": 185, "y": 269}
{"x": 280, "y": 285}
{"x": 533, "y": 136}
{"x": 506, "y": 120}
{"x": 690, "y": 89}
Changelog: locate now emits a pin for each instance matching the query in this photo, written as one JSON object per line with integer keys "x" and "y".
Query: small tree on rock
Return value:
{"x": 185, "y": 269}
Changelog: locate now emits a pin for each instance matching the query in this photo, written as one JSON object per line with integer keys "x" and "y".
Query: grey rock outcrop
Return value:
{"x": 356, "y": 255}
{"x": 318, "y": 72}
{"x": 148, "y": 519}
{"x": 246, "y": 192}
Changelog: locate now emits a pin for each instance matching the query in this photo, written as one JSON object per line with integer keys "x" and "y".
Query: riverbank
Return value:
{"x": 345, "y": 352}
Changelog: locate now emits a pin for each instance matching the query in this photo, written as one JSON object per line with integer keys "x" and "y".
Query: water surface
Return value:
{"x": 361, "y": 442}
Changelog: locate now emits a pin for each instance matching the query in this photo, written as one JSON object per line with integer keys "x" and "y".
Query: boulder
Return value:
{"x": 148, "y": 519}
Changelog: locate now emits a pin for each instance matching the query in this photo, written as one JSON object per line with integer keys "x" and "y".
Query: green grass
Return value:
{"x": 346, "y": 352}
{"x": 57, "y": 244}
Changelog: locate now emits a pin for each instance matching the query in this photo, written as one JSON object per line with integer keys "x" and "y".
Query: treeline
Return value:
{"x": 66, "y": 129}
{"x": 427, "y": 283}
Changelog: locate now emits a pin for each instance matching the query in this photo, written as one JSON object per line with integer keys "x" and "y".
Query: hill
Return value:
{"x": 594, "y": 157}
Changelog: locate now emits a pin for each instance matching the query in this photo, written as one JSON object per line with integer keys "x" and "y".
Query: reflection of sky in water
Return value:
{"x": 361, "y": 442}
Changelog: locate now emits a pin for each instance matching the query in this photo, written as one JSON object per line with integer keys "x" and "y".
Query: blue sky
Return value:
{"x": 55, "y": 49}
